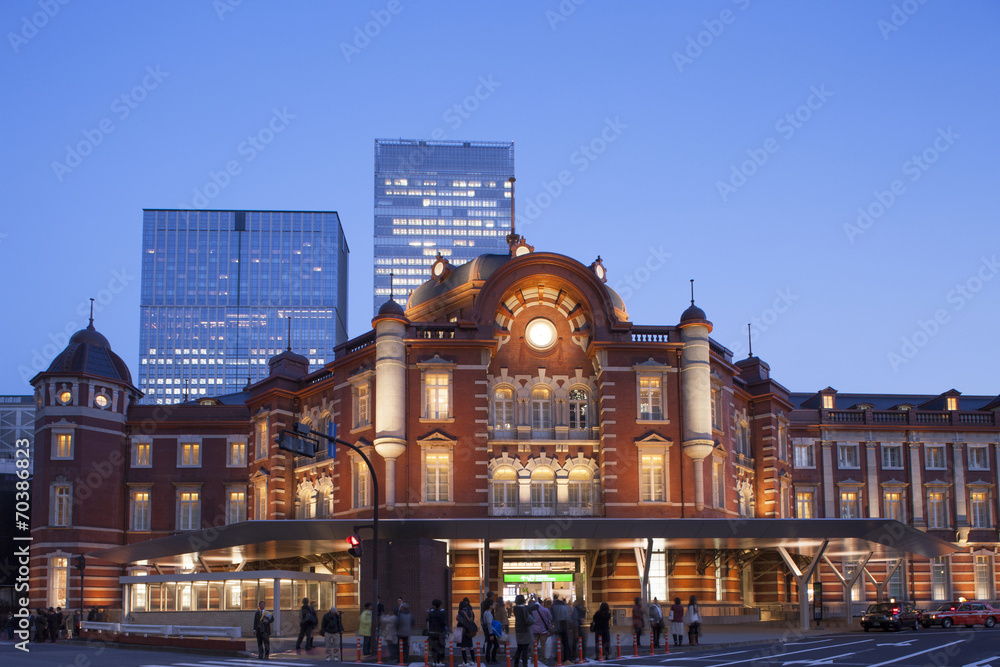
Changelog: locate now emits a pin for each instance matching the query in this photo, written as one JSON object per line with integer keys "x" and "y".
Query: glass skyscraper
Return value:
{"x": 451, "y": 197}
{"x": 218, "y": 287}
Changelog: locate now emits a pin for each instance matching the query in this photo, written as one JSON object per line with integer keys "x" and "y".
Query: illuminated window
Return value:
{"x": 984, "y": 577}
{"x": 263, "y": 442}
{"x": 540, "y": 334}
{"x": 951, "y": 403}
{"x": 62, "y": 505}
{"x": 541, "y": 408}
{"x": 360, "y": 484}
{"x": 236, "y": 506}
{"x": 260, "y": 500}
{"x": 437, "y": 469}
{"x": 503, "y": 408}
{"x": 543, "y": 491}
{"x": 579, "y": 402}
{"x": 897, "y": 591}
{"x": 718, "y": 483}
{"x": 828, "y": 402}
{"x": 937, "y": 509}
{"x": 362, "y": 414}
{"x": 651, "y": 479}
{"x": 62, "y": 445}
{"x": 805, "y": 504}
{"x": 934, "y": 457}
{"x": 140, "y": 510}
{"x": 940, "y": 579}
{"x": 142, "y": 454}
{"x": 581, "y": 491}
{"x": 189, "y": 455}
{"x": 893, "y": 501}
{"x": 437, "y": 395}
{"x": 850, "y": 569}
{"x": 102, "y": 401}
{"x": 978, "y": 458}
{"x": 850, "y": 504}
{"x": 188, "y": 509}
{"x": 650, "y": 398}
{"x": 716, "y": 409}
{"x": 979, "y": 510}
{"x": 503, "y": 492}
{"x": 237, "y": 455}
{"x": 58, "y": 580}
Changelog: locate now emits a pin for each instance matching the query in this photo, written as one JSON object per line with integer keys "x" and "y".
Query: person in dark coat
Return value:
{"x": 404, "y": 629}
{"x": 332, "y": 628}
{"x": 437, "y": 633}
{"x": 602, "y": 629}
{"x": 262, "y": 621}
{"x": 53, "y": 621}
{"x": 307, "y": 622}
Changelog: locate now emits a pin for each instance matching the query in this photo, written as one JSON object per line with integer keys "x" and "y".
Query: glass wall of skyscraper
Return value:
{"x": 448, "y": 197}
{"x": 218, "y": 288}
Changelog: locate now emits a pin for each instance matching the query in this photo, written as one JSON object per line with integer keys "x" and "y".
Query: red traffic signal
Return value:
{"x": 355, "y": 543}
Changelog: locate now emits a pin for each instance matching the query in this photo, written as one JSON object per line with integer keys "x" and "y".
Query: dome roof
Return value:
{"x": 89, "y": 353}
{"x": 480, "y": 268}
{"x": 390, "y": 308}
{"x": 693, "y": 314}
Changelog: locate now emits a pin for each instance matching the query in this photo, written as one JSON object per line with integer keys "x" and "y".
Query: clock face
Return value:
{"x": 540, "y": 333}
{"x": 521, "y": 250}
{"x": 439, "y": 269}
{"x": 600, "y": 271}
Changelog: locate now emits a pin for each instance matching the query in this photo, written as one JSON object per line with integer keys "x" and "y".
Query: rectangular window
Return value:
{"x": 805, "y": 507}
{"x": 237, "y": 456}
{"x": 260, "y": 500}
{"x": 894, "y": 505}
{"x": 940, "y": 580}
{"x": 140, "y": 510}
{"x": 937, "y": 509}
{"x": 850, "y": 505}
{"x": 892, "y": 457}
{"x": 62, "y": 445}
{"x": 650, "y": 398}
{"x": 984, "y": 577}
{"x": 362, "y": 415}
{"x": 658, "y": 577}
{"x": 360, "y": 485}
{"x": 61, "y": 505}
{"x": 782, "y": 442}
{"x": 651, "y": 478}
{"x": 436, "y": 477}
{"x": 263, "y": 442}
{"x": 977, "y": 459}
{"x": 896, "y": 587}
{"x": 142, "y": 454}
{"x": 979, "y": 509}
{"x": 437, "y": 395}
{"x": 716, "y": 409}
{"x": 190, "y": 455}
{"x": 847, "y": 456}
{"x": 804, "y": 456}
{"x": 934, "y": 457}
{"x": 189, "y": 510}
{"x": 236, "y": 506}
{"x": 718, "y": 484}
{"x": 827, "y": 402}
{"x": 58, "y": 581}
{"x": 850, "y": 569}
{"x": 783, "y": 495}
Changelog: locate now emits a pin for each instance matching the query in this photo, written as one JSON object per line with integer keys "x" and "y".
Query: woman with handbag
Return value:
{"x": 692, "y": 618}
{"x": 522, "y": 631}
{"x": 601, "y": 627}
{"x": 466, "y": 621}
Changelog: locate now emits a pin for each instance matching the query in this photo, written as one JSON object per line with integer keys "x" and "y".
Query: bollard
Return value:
{"x": 359, "y": 648}
{"x": 652, "y": 648}
{"x": 635, "y": 645}
{"x": 558, "y": 651}
{"x": 401, "y": 651}
{"x": 506, "y": 652}
{"x": 579, "y": 649}
{"x": 618, "y": 645}
{"x": 451, "y": 653}
{"x": 534, "y": 652}
{"x": 475, "y": 649}
{"x": 380, "y": 650}
{"x": 599, "y": 642}
{"x": 427, "y": 661}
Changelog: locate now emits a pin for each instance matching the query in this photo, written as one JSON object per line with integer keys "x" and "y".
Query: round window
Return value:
{"x": 101, "y": 400}
{"x": 65, "y": 396}
{"x": 540, "y": 333}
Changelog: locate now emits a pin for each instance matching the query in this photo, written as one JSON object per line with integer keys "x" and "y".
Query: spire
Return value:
{"x": 692, "y": 291}
{"x": 91, "y": 325}
{"x": 512, "y": 238}
{"x": 289, "y": 348}
{"x": 749, "y": 340}
{"x": 392, "y": 287}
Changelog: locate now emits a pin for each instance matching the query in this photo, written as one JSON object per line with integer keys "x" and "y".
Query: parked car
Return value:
{"x": 973, "y": 612}
{"x": 894, "y": 615}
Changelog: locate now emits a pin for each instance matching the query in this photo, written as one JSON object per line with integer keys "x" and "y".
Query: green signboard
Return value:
{"x": 536, "y": 577}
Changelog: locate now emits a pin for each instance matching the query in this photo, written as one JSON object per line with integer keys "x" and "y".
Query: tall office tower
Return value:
{"x": 218, "y": 288}
{"x": 448, "y": 197}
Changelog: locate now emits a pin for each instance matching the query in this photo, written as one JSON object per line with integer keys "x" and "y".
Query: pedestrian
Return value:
{"x": 560, "y": 625}
{"x": 522, "y": 631}
{"x": 501, "y": 614}
{"x": 541, "y": 624}
{"x": 492, "y": 641}
{"x": 387, "y": 631}
{"x": 54, "y": 620}
{"x": 69, "y": 621}
{"x": 331, "y": 627}
{"x": 677, "y": 622}
{"x": 437, "y": 633}
{"x": 262, "y": 621}
{"x": 404, "y": 628}
{"x": 365, "y": 629}
{"x": 487, "y": 599}
{"x": 638, "y": 621}
{"x": 655, "y": 622}
{"x": 307, "y": 622}
{"x": 466, "y": 619}
{"x": 580, "y": 618}
{"x": 601, "y": 627}
{"x": 692, "y": 618}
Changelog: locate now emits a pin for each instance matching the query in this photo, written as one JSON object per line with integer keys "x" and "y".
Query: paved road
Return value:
{"x": 932, "y": 648}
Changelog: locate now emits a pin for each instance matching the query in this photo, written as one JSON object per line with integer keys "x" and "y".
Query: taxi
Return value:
{"x": 962, "y": 612}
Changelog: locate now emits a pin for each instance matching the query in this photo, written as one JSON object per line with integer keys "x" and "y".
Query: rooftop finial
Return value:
{"x": 391, "y": 287}
{"x": 692, "y": 291}
{"x": 511, "y": 181}
{"x": 91, "y": 325}
{"x": 289, "y": 348}
{"x": 750, "y": 339}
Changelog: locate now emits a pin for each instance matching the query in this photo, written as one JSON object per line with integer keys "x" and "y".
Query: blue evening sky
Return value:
{"x": 826, "y": 171}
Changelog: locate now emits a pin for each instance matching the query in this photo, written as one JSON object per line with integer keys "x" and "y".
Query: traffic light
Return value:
{"x": 80, "y": 562}
{"x": 355, "y": 543}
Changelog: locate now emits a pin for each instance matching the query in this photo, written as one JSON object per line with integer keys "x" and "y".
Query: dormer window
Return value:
{"x": 951, "y": 403}
{"x": 827, "y": 402}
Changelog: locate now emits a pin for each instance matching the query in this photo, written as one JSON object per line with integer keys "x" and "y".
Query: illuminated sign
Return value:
{"x": 536, "y": 577}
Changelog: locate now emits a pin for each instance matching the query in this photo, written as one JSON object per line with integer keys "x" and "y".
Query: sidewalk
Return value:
{"x": 712, "y": 637}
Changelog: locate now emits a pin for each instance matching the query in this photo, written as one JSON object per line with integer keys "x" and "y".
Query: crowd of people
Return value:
{"x": 47, "y": 625}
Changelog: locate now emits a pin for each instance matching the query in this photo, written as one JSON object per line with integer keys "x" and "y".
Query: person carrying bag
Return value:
{"x": 692, "y": 619}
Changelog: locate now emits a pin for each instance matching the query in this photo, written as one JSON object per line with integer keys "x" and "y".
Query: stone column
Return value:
{"x": 696, "y": 402}
{"x": 390, "y": 399}
{"x": 829, "y": 490}
{"x": 872, "y": 474}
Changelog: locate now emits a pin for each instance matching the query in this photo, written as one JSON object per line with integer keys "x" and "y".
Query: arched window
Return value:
{"x": 581, "y": 491}
{"x": 307, "y": 502}
{"x": 503, "y": 408}
{"x": 543, "y": 492}
{"x": 504, "y": 491}
{"x": 541, "y": 407}
{"x": 579, "y": 401}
